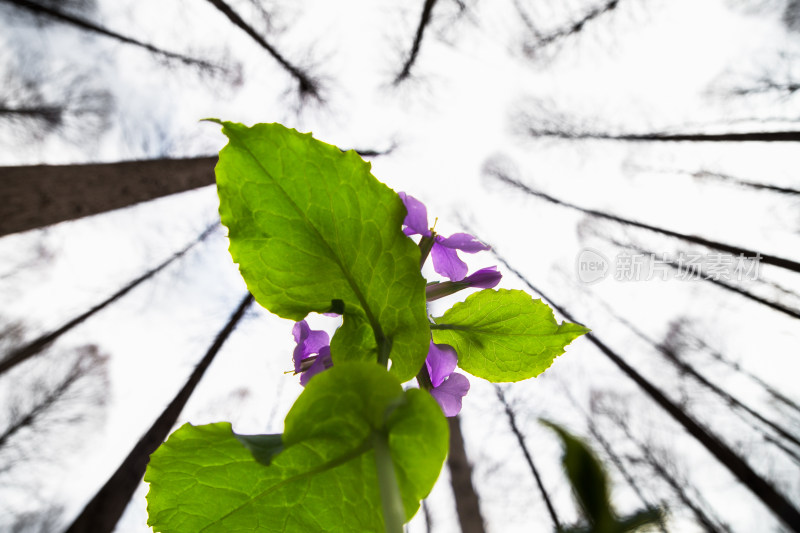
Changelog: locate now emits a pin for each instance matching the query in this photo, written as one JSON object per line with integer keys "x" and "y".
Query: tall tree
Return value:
{"x": 306, "y": 84}
{"x": 45, "y": 10}
{"x": 41, "y": 195}
{"x": 512, "y": 422}
{"x": 760, "y": 487}
{"x": 467, "y": 502}
{"x": 28, "y": 350}
{"x": 769, "y": 259}
{"x": 103, "y": 512}
{"x": 416, "y": 44}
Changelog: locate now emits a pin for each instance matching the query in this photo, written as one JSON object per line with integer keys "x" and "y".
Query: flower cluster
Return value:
{"x": 312, "y": 353}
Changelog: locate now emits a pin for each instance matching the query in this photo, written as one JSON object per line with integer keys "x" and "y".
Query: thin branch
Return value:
{"x": 755, "y": 136}
{"x": 424, "y": 20}
{"x": 615, "y": 459}
{"x": 781, "y": 262}
{"x": 760, "y": 487}
{"x": 103, "y": 512}
{"x": 306, "y": 85}
{"x": 704, "y": 174}
{"x": 573, "y": 28}
{"x": 677, "y": 266}
{"x": 27, "y": 351}
{"x": 678, "y": 488}
{"x": 84, "y": 24}
{"x": 512, "y": 422}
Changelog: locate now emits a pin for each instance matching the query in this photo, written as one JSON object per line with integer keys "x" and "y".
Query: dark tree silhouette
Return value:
{"x": 22, "y": 353}
{"x": 416, "y": 45}
{"x": 103, "y": 512}
{"x": 760, "y": 487}
{"x": 727, "y": 178}
{"x": 43, "y": 10}
{"x": 542, "y": 40}
{"x": 658, "y": 461}
{"x": 700, "y": 275}
{"x": 788, "y": 264}
{"x": 46, "y": 392}
{"x": 615, "y": 459}
{"x": 467, "y": 501}
{"x": 307, "y": 86}
{"x": 36, "y": 100}
{"x": 512, "y": 422}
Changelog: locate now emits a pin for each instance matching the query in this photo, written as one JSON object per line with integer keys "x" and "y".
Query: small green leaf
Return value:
{"x": 504, "y": 335}
{"x": 587, "y": 478}
{"x": 204, "y": 480}
{"x": 314, "y": 231}
{"x": 592, "y": 490}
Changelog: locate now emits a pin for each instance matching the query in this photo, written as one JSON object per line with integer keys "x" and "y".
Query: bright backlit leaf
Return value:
{"x": 203, "y": 479}
{"x": 504, "y": 335}
{"x": 313, "y": 230}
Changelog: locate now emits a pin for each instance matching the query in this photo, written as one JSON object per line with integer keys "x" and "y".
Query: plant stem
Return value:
{"x": 392, "y": 503}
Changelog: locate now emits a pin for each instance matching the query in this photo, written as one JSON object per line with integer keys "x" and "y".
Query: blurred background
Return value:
{"x": 632, "y": 162}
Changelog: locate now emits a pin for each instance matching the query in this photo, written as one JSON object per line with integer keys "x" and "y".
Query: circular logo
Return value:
{"x": 592, "y": 266}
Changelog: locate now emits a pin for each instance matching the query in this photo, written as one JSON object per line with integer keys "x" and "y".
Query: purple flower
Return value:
{"x": 448, "y": 387}
{"x": 445, "y": 258}
{"x": 312, "y": 354}
{"x": 485, "y": 278}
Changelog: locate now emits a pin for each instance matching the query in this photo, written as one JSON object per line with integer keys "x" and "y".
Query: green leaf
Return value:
{"x": 202, "y": 479}
{"x": 587, "y": 478}
{"x": 313, "y": 230}
{"x": 592, "y": 491}
{"x": 504, "y": 335}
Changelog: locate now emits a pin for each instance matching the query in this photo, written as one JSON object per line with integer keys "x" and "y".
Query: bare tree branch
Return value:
{"x": 781, "y": 262}
{"x": 571, "y": 29}
{"x": 307, "y": 86}
{"x": 55, "y": 14}
{"x": 512, "y": 422}
{"x": 760, "y": 487}
{"x": 424, "y": 20}
{"x": 34, "y": 347}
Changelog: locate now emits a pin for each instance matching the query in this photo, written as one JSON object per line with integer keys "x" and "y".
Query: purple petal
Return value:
{"x": 441, "y": 362}
{"x": 309, "y": 341}
{"x": 463, "y": 241}
{"x": 485, "y": 278}
{"x": 322, "y": 362}
{"x": 447, "y": 263}
{"x": 417, "y": 217}
{"x": 450, "y": 393}
{"x": 300, "y": 331}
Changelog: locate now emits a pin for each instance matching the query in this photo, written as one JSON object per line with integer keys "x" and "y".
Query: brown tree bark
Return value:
{"x": 40, "y": 195}
{"x": 467, "y": 503}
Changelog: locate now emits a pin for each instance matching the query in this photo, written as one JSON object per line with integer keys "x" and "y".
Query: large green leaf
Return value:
{"x": 504, "y": 335}
{"x": 313, "y": 230}
{"x": 203, "y": 479}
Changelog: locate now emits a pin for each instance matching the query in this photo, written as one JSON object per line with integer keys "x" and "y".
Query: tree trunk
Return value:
{"x": 40, "y": 195}
{"x": 103, "y": 512}
{"x": 767, "y": 259}
{"x": 467, "y": 503}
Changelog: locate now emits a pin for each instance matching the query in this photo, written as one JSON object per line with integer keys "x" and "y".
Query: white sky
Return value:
{"x": 650, "y": 65}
